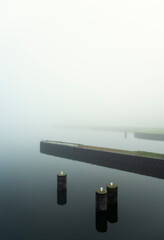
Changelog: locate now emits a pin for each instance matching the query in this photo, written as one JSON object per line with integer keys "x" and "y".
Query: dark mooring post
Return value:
{"x": 61, "y": 188}
{"x": 101, "y": 200}
{"x": 101, "y": 210}
{"x": 112, "y": 203}
{"x": 125, "y": 134}
{"x": 61, "y": 181}
{"x": 112, "y": 193}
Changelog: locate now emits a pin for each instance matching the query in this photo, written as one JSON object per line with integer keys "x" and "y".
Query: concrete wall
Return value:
{"x": 145, "y": 166}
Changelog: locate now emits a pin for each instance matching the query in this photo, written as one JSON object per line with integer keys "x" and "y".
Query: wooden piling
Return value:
{"x": 112, "y": 190}
{"x": 61, "y": 181}
{"x": 101, "y": 200}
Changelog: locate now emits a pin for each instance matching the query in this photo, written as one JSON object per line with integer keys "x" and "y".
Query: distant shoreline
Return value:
{"x": 156, "y": 134}
{"x": 150, "y": 130}
{"x": 149, "y": 135}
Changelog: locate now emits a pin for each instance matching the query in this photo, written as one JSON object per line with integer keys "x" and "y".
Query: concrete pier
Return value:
{"x": 141, "y": 165}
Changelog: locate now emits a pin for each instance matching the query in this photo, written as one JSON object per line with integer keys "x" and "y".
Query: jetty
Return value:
{"x": 145, "y": 163}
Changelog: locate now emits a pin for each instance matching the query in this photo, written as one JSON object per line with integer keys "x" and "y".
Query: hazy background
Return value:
{"x": 82, "y": 62}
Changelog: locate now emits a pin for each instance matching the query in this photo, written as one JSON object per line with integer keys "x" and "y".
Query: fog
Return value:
{"x": 82, "y": 62}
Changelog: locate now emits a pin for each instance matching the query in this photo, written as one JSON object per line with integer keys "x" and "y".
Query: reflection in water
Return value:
{"x": 106, "y": 207}
{"x": 112, "y": 213}
{"x": 61, "y": 197}
{"x": 110, "y": 216}
{"x": 101, "y": 222}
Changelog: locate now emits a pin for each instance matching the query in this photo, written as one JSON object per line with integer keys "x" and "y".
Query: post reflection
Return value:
{"x": 61, "y": 197}
{"x": 101, "y": 222}
{"x": 112, "y": 213}
{"x": 103, "y": 217}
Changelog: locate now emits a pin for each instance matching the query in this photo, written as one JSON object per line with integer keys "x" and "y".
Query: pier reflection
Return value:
{"x": 141, "y": 165}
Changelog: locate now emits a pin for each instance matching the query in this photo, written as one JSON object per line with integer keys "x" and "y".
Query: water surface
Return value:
{"x": 29, "y": 206}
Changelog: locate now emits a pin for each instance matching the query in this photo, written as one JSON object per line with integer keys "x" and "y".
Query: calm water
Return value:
{"x": 28, "y": 190}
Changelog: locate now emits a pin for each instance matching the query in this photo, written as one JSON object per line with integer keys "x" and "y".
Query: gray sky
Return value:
{"x": 82, "y": 62}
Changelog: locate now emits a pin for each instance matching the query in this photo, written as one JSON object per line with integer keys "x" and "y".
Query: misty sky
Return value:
{"x": 82, "y": 62}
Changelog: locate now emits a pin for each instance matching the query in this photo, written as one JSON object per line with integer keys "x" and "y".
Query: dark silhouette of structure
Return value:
{"x": 141, "y": 165}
